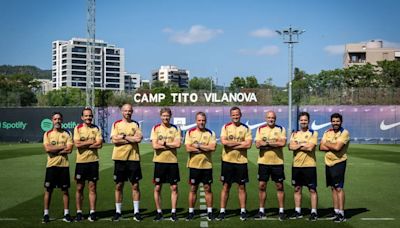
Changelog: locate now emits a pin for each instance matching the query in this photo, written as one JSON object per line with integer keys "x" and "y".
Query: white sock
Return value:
{"x": 336, "y": 211}
{"x": 281, "y": 210}
{"x": 173, "y": 210}
{"x": 46, "y": 211}
{"x": 135, "y": 207}
{"x": 261, "y": 209}
{"x": 209, "y": 209}
{"x": 222, "y": 210}
{"x": 242, "y": 210}
{"x": 298, "y": 209}
{"x": 118, "y": 208}
{"x": 159, "y": 211}
{"x": 92, "y": 211}
{"x": 79, "y": 211}
{"x": 191, "y": 210}
{"x": 313, "y": 210}
{"x": 66, "y": 211}
{"x": 341, "y": 212}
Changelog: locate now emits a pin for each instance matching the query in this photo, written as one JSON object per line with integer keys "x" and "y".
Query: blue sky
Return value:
{"x": 226, "y": 38}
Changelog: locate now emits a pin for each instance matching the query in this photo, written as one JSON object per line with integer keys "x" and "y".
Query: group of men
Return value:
{"x": 200, "y": 143}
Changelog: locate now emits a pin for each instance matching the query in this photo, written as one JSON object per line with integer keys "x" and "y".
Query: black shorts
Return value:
{"x": 166, "y": 173}
{"x": 304, "y": 176}
{"x": 57, "y": 177}
{"x": 335, "y": 175}
{"x": 127, "y": 170}
{"x": 234, "y": 173}
{"x": 87, "y": 171}
{"x": 198, "y": 176}
{"x": 276, "y": 172}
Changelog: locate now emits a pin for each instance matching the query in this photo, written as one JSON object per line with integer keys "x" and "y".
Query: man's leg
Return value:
{"x": 262, "y": 195}
{"x": 193, "y": 196}
{"x": 47, "y": 198}
{"x": 209, "y": 196}
{"x": 280, "y": 194}
{"x": 157, "y": 196}
{"x": 92, "y": 195}
{"x": 119, "y": 186}
{"x": 80, "y": 185}
{"x": 174, "y": 196}
{"x": 225, "y": 194}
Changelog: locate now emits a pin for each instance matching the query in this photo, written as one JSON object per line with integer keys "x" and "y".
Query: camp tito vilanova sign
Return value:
{"x": 194, "y": 97}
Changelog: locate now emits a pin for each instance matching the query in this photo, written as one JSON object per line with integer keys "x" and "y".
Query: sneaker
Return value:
{"x": 67, "y": 218}
{"x": 340, "y": 218}
{"x": 116, "y": 217}
{"x": 296, "y": 215}
{"x": 159, "y": 217}
{"x": 282, "y": 216}
{"x": 92, "y": 217}
{"x": 221, "y": 216}
{"x": 174, "y": 218}
{"x": 260, "y": 216}
{"x": 190, "y": 216}
{"x": 332, "y": 216}
{"x": 46, "y": 219}
{"x": 210, "y": 216}
{"x": 137, "y": 217}
{"x": 79, "y": 217}
{"x": 243, "y": 216}
{"x": 313, "y": 217}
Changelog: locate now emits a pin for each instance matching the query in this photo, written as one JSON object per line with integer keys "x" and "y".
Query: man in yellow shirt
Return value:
{"x": 236, "y": 138}
{"x": 304, "y": 170}
{"x": 335, "y": 143}
{"x": 87, "y": 139}
{"x": 165, "y": 140}
{"x": 270, "y": 139}
{"x": 200, "y": 143}
{"x": 126, "y": 136}
{"x": 57, "y": 144}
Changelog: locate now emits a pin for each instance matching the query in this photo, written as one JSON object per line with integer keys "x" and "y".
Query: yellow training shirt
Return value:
{"x": 130, "y": 151}
{"x": 83, "y": 133}
{"x": 57, "y": 138}
{"x": 170, "y": 134}
{"x": 304, "y": 158}
{"x": 235, "y": 133}
{"x": 274, "y": 155}
{"x": 334, "y": 157}
{"x": 200, "y": 160}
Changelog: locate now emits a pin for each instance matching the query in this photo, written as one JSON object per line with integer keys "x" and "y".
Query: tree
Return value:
{"x": 237, "y": 83}
{"x": 198, "y": 83}
{"x": 17, "y": 90}
{"x": 390, "y": 72}
{"x": 251, "y": 82}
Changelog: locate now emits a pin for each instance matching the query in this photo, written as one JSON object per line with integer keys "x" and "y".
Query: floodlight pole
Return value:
{"x": 90, "y": 74}
{"x": 290, "y": 36}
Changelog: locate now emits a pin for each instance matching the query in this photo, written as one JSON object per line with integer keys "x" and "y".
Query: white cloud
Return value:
{"x": 263, "y": 51}
{"x": 335, "y": 49}
{"x": 264, "y": 33}
{"x": 196, "y": 34}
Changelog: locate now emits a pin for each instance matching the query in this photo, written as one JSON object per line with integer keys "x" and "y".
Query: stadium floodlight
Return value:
{"x": 290, "y": 36}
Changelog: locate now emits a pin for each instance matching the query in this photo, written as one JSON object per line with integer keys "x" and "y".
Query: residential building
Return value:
{"x": 132, "y": 81}
{"x": 45, "y": 85}
{"x": 369, "y": 52}
{"x": 172, "y": 75}
{"x": 70, "y": 59}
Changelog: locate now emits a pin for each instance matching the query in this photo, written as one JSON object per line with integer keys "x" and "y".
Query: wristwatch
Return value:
{"x": 165, "y": 143}
{"x": 123, "y": 136}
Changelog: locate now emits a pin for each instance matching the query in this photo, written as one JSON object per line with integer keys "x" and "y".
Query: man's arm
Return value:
{"x": 191, "y": 148}
{"x": 83, "y": 144}
{"x": 119, "y": 140}
{"x": 334, "y": 146}
{"x": 226, "y": 142}
{"x": 307, "y": 146}
{"x": 98, "y": 144}
{"x": 175, "y": 144}
{"x": 137, "y": 138}
{"x": 208, "y": 147}
{"x": 243, "y": 145}
{"x": 67, "y": 149}
{"x": 52, "y": 148}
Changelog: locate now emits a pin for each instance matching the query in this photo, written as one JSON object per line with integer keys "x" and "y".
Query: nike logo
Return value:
{"x": 187, "y": 127}
{"x": 316, "y": 127}
{"x": 385, "y": 127}
{"x": 254, "y": 126}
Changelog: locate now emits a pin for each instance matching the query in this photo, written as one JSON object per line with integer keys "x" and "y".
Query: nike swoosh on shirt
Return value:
{"x": 385, "y": 127}
{"x": 254, "y": 126}
{"x": 186, "y": 127}
{"x": 316, "y": 127}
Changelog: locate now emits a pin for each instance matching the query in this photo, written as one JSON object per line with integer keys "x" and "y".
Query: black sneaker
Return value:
{"x": 79, "y": 217}
{"x": 313, "y": 217}
{"x": 159, "y": 217}
{"x": 116, "y": 217}
{"x": 260, "y": 216}
{"x": 137, "y": 217}
{"x": 174, "y": 218}
{"x": 340, "y": 218}
{"x": 190, "y": 216}
{"x": 92, "y": 217}
{"x": 46, "y": 219}
{"x": 210, "y": 216}
{"x": 67, "y": 218}
{"x": 221, "y": 216}
{"x": 243, "y": 216}
{"x": 296, "y": 215}
{"x": 282, "y": 216}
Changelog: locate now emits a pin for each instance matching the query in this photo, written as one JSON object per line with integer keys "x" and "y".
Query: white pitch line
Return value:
{"x": 202, "y": 193}
{"x": 203, "y": 224}
{"x": 109, "y": 219}
{"x": 203, "y": 207}
{"x": 378, "y": 219}
{"x": 8, "y": 219}
{"x": 202, "y": 200}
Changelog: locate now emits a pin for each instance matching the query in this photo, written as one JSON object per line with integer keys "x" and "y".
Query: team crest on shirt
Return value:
{"x": 230, "y": 137}
{"x": 264, "y": 139}
{"x": 205, "y": 137}
{"x": 53, "y": 142}
{"x": 93, "y": 132}
{"x": 276, "y": 133}
{"x": 306, "y": 136}
{"x": 160, "y": 137}
{"x": 171, "y": 132}
{"x": 192, "y": 181}
{"x": 82, "y": 138}
{"x": 62, "y": 136}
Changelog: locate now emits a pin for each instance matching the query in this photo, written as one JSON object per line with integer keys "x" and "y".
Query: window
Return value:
{"x": 79, "y": 56}
{"x": 112, "y": 80}
{"x": 97, "y": 68}
{"x": 78, "y": 67}
{"x": 82, "y": 84}
{"x": 64, "y": 84}
{"x": 78, "y": 61}
{"x": 97, "y": 73}
{"x": 112, "y": 85}
{"x": 112, "y": 69}
{"x": 64, "y": 72}
{"x": 64, "y": 56}
{"x": 64, "y": 79}
{"x": 73, "y": 83}
{"x": 64, "y": 67}
{"x": 64, "y": 61}
{"x": 112, "y": 58}
{"x": 97, "y": 63}
{"x": 78, "y": 72}
{"x": 112, "y": 75}
{"x": 112, "y": 63}
{"x": 82, "y": 79}
{"x": 79, "y": 49}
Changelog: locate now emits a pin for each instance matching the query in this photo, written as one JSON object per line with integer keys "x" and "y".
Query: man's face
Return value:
{"x": 336, "y": 123}
{"x": 235, "y": 116}
{"x": 87, "y": 117}
{"x": 165, "y": 118}
{"x": 127, "y": 112}
{"x": 303, "y": 122}
{"x": 57, "y": 121}
{"x": 270, "y": 118}
{"x": 201, "y": 122}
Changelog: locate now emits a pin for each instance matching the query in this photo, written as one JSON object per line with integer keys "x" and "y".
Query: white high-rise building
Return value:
{"x": 171, "y": 74}
{"x": 70, "y": 63}
{"x": 132, "y": 81}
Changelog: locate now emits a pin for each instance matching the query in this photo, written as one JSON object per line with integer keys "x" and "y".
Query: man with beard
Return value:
{"x": 270, "y": 139}
{"x": 88, "y": 139}
{"x": 126, "y": 136}
{"x": 335, "y": 143}
{"x": 304, "y": 170}
{"x": 58, "y": 144}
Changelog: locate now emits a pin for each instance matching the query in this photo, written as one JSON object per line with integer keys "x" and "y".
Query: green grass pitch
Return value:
{"x": 372, "y": 191}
